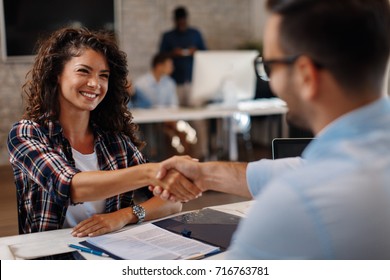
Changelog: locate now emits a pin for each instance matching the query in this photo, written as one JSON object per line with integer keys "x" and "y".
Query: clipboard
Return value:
{"x": 207, "y": 225}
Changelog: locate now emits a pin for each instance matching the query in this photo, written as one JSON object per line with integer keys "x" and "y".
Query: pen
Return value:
{"x": 88, "y": 250}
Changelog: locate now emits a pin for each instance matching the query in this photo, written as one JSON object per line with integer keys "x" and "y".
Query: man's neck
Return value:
{"x": 343, "y": 107}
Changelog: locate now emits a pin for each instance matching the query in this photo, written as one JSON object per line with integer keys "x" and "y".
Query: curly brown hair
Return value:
{"x": 41, "y": 87}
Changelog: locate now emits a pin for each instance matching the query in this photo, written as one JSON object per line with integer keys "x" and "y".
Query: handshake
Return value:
{"x": 182, "y": 178}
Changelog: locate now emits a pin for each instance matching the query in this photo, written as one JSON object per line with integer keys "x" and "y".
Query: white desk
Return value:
{"x": 27, "y": 246}
{"x": 259, "y": 107}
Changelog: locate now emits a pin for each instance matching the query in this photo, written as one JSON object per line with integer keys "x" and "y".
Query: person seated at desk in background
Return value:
{"x": 335, "y": 202}
{"x": 157, "y": 86}
{"x": 156, "y": 89}
{"x": 75, "y": 154}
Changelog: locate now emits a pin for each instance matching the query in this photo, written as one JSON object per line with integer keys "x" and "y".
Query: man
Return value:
{"x": 157, "y": 86}
{"x": 327, "y": 59}
{"x": 158, "y": 90}
{"x": 181, "y": 43}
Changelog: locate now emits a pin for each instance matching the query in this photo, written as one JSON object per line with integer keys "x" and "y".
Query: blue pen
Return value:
{"x": 88, "y": 250}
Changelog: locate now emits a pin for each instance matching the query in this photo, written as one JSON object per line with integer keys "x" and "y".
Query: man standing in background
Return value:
{"x": 181, "y": 43}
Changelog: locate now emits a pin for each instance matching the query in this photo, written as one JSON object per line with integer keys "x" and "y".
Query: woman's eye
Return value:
{"x": 105, "y": 76}
{"x": 83, "y": 70}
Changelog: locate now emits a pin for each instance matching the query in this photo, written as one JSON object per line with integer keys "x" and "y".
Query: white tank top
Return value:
{"x": 77, "y": 213}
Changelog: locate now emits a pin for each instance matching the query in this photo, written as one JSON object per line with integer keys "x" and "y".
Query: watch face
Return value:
{"x": 139, "y": 211}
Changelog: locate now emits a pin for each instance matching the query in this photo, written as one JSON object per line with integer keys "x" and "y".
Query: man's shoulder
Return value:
{"x": 169, "y": 80}
{"x": 193, "y": 29}
{"x": 173, "y": 32}
{"x": 141, "y": 80}
{"x": 169, "y": 33}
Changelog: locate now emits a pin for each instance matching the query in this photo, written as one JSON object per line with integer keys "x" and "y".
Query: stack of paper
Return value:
{"x": 150, "y": 242}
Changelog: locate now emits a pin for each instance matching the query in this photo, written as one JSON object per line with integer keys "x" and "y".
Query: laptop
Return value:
{"x": 289, "y": 147}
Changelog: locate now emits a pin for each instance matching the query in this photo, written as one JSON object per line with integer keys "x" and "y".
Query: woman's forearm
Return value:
{"x": 96, "y": 185}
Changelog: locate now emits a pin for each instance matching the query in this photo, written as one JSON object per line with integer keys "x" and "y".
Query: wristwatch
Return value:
{"x": 139, "y": 211}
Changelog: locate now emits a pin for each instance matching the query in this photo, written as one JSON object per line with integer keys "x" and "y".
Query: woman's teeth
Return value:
{"x": 89, "y": 95}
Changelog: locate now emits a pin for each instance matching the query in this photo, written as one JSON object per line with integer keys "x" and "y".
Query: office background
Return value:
{"x": 225, "y": 24}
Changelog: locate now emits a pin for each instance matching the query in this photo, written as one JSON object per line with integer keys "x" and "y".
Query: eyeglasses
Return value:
{"x": 263, "y": 67}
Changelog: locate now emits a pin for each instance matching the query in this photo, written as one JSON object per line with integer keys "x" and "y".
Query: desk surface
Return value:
{"x": 27, "y": 246}
{"x": 259, "y": 107}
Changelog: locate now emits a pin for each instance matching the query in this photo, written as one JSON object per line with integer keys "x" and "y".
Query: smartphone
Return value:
{"x": 73, "y": 255}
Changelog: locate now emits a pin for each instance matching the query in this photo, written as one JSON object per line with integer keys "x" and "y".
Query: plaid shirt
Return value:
{"x": 43, "y": 168}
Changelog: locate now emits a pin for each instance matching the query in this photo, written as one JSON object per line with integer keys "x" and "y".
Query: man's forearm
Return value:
{"x": 227, "y": 177}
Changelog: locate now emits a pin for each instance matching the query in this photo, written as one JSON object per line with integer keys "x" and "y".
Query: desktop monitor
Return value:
{"x": 223, "y": 76}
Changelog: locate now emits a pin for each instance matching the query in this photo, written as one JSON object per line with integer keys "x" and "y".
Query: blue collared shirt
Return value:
{"x": 333, "y": 204}
{"x": 160, "y": 93}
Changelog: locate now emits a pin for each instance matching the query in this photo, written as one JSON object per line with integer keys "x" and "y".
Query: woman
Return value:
{"x": 71, "y": 152}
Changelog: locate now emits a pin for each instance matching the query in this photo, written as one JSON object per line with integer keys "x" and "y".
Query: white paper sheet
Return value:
{"x": 150, "y": 242}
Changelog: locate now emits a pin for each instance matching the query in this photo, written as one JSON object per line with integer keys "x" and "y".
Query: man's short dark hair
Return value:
{"x": 159, "y": 59}
{"x": 180, "y": 13}
{"x": 350, "y": 38}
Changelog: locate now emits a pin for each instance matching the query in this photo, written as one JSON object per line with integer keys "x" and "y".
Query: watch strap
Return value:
{"x": 140, "y": 212}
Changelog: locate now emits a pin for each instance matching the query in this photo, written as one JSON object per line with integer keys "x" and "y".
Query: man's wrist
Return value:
{"x": 204, "y": 176}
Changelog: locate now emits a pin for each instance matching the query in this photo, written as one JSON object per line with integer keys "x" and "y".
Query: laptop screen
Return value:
{"x": 289, "y": 147}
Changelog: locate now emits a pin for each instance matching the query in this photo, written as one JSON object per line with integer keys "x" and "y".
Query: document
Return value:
{"x": 150, "y": 242}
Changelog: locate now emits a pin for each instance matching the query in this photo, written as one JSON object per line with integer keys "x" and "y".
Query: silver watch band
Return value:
{"x": 140, "y": 212}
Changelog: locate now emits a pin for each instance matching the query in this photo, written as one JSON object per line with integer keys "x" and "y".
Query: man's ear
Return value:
{"x": 307, "y": 77}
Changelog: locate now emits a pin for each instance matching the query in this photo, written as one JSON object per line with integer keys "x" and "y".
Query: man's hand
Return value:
{"x": 175, "y": 187}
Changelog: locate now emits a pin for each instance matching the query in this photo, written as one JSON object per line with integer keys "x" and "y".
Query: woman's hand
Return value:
{"x": 100, "y": 224}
